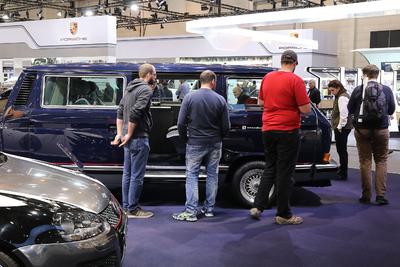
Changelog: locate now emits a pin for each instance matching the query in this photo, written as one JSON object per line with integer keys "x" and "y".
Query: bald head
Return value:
{"x": 237, "y": 91}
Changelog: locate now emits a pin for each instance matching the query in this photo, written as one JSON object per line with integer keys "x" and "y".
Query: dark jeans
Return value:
{"x": 136, "y": 152}
{"x": 341, "y": 148}
{"x": 281, "y": 149}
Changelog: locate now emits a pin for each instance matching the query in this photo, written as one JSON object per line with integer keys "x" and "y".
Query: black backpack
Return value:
{"x": 373, "y": 105}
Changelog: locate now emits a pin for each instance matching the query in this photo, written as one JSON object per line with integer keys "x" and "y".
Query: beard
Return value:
{"x": 151, "y": 81}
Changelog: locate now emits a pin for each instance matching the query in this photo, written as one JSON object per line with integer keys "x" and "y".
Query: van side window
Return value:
{"x": 83, "y": 91}
{"x": 55, "y": 91}
{"x": 168, "y": 86}
{"x": 243, "y": 91}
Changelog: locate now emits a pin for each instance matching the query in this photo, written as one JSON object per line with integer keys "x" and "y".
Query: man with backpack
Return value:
{"x": 371, "y": 104}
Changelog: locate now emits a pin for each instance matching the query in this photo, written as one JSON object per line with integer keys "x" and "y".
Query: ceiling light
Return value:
{"x": 40, "y": 14}
{"x": 162, "y": 4}
{"x": 59, "y": 14}
{"x": 5, "y": 17}
{"x": 89, "y": 13}
{"x": 134, "y": 7}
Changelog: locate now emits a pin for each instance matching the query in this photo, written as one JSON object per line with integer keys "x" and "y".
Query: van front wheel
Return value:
{"x": 246, "y": 181}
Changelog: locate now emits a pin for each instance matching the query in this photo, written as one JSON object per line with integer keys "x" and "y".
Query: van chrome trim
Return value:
{"x": 120, "y": 167}
{"x": 183, "y": 168}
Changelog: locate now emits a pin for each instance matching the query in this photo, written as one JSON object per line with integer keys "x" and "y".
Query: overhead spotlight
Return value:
{"x": 59, "y": 14}
{"x": 161, "y": 26}
{"x": 40, "y": 14}
{"x": 162, "y": 4}
{"x": 117, "y": 11}
{"x": 89, "y": 13}
{"x": 134, "y": 7}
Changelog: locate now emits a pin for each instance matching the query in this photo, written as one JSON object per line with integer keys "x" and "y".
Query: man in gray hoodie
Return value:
{"x": 134, "y": 123}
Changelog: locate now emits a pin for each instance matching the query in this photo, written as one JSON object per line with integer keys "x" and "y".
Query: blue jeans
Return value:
{"x": 136, "y": 152}
{"x": 195, "y": 155}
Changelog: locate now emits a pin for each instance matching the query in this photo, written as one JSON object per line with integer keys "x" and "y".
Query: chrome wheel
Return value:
{"x": 249, "y": 184}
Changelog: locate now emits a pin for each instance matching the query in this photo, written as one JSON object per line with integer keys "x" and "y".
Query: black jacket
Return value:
{"x": 135, "y": 107}
{"x": 314, "y": 95}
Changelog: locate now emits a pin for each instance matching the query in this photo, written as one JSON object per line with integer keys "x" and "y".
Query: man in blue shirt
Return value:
{"x": 203, "y": 121}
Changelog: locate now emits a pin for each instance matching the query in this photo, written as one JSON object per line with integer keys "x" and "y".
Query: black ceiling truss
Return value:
{"x": 150, "y": 11}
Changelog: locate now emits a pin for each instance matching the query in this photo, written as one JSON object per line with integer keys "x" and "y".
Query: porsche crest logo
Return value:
{"x": 73, "y": 27}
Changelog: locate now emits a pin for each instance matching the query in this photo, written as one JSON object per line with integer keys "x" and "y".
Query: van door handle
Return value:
{"x": 113, "y": 129}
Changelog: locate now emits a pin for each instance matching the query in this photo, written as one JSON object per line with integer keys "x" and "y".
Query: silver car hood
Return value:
{"x": 32, "y": 178}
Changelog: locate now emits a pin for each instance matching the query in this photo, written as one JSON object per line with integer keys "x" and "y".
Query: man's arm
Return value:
{"x": 117, "y": 138}
{"x": 302, "y": 99}
{"x": 391, "y": 103}
{"x": 260, "y": 99}
{"x": 317, "y": 96}
{"x": 119, "y": 123}
{"x": 177, "y": 92}
{"x": 351, "y": 106}
{"x": 305, "y": 109}
{"x": 182, "y": 120}
{"x": 136, "y": 112}
{"x": 226, "y": 125}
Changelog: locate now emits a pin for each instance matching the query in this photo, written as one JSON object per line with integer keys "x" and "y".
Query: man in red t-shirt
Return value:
{"x": 283, "y": 96}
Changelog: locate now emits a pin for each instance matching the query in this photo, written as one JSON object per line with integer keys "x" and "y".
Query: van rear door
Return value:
{"x": 15, "y": 126}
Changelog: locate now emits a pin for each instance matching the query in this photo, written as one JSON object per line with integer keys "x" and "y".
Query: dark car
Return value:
{"x": 50, "y": 216}
{"x": 75, "y": 106}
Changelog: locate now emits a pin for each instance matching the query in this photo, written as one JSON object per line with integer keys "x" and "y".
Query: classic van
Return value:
{"x": 59, "y": 112}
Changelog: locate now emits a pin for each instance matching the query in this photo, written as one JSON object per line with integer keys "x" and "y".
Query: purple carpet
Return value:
{"x": 337, "y": 231}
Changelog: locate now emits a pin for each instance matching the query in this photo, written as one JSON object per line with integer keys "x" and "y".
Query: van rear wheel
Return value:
{"x": 246, "y": 181}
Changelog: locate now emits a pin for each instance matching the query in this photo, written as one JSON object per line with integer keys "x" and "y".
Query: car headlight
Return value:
{"x": 79, "y": 225}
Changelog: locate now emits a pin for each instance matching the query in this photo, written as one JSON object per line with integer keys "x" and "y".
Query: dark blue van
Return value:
{"x": 58, "y": 112}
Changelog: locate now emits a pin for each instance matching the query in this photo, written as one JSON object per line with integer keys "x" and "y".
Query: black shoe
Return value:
{"x": 381, "y": 200}
{"x": 364, "y": 200}
{"x": 342, "y": 175}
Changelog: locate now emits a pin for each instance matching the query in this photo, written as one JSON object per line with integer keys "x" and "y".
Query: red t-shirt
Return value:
{"x": 282, "y": 93}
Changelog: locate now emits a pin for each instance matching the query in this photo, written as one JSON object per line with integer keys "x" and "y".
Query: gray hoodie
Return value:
{"x": 135, "y": 107}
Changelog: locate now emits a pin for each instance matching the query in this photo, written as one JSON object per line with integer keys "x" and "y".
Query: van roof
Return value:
{"x": 131, "y": 67}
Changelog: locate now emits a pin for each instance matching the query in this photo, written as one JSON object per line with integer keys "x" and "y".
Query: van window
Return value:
{"x": 82, "y": 91}
{"x": 167, "y": 88}
{"x": 243, "y": 91}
